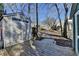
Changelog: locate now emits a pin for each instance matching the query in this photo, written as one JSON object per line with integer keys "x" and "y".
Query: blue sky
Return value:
{"x": 43, "y": 11}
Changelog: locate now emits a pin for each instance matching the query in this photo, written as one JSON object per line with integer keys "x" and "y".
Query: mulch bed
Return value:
{"x": 60, "y": 42}
{"x": 65, "y": 43}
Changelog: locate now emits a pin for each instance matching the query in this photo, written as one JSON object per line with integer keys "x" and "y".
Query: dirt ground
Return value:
{"x": 47, "y": 45}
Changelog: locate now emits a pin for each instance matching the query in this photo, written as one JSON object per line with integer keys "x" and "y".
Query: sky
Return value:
{"x": 43, "y": 11}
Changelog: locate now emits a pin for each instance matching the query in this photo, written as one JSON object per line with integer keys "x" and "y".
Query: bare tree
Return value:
{"x": 59, "y": 17}
{"x": 65, "y": 21}
{"x": 14, "y": 7}
{"x": 64, "y": 29}
{"x": 37, "y": 18}
{"x": 1, "y": 11}
{"x": 51, "y": 22}
{"x": 10, "y": 6}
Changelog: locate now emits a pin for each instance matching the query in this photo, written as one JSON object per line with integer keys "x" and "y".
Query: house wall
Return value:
{"x": 70, "y": 29}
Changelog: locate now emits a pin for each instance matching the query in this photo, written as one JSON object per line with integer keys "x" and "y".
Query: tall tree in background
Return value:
{"x": 1, "y": 11}
{"x": 59, "y": 17}
{"x": 65, "y": 21}
{"x": 37, "y": 18}
{"x": 50, "y": 21}
{"x": 13, "y": 7}
{"x": 29, "y": 10}
{"x": 29, "y": 17}
{"x": 10, "y": 5}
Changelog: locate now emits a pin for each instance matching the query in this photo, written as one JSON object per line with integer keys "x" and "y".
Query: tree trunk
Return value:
{"x": 59, "y": 17}
{"x": 65, "y": 22}
{"x": 29, "y": 17}
{"x": 37, "y": 18}
{"x": 65, "y": 27}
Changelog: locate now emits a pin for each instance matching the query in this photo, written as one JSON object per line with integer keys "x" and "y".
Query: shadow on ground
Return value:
{"x": 60, "y": 42}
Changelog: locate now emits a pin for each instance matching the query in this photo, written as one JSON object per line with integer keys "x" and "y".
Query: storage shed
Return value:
{"x": 14, "y": 28}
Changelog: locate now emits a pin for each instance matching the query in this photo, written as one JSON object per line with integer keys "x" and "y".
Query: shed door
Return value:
{"x": 77, "y": 32}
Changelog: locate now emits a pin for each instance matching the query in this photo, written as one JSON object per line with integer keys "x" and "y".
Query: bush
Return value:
{"x": 54, "y": 27}
{"x": 43, "y": 29}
